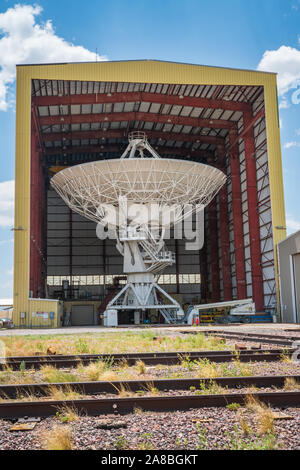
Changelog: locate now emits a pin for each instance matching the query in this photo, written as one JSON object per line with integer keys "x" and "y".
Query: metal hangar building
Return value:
{"x": 81, "y": 112}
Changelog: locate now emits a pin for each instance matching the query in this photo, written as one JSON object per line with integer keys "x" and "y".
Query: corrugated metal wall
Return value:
{"x": 73, "y": 248}
{"x": 264, "y": 210}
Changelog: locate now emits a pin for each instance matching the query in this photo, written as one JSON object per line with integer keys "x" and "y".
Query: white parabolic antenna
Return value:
{"x": 139, "y": 195}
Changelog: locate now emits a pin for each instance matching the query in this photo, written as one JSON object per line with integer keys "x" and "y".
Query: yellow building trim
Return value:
{"x": 275, "y": 175}
{"x": 41, "y": 313}
{"x": 22, "y": 196}
{"x": 148, "y": 71}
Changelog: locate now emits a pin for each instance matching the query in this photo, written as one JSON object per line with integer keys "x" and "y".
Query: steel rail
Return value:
{"x": 96, "y": 387}
{"x": 262, "y": 335}
{"x": 95, "y": 407}
{"x": 257, "y": 339}
{"x": 148, "y": 358}
{"x": 253, "y": 337}
{"x": 138, "y": 355}
{"x": 256, "y": 335}
{"x": 118, "y": 355}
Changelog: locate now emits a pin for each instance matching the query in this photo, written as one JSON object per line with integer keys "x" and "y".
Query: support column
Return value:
{"x": 104, "y": 266}
{"x": 71, "y": 251}
{"x": 33, "y": 213}
{"x": 37, "y": 218}
{"x": 224, "y": 230}
{"x": 44, "y": 235}
{"x": 177, "y": 267}
{"x": 203, "y": 273}
{"x": 237, "y": 216}
{"x": 214, "y": 255}
{"x": 253, "y": 217}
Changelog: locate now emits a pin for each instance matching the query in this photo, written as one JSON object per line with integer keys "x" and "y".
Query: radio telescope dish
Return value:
{"x": 139, "y": 196}
{"x": 165, "y": 182}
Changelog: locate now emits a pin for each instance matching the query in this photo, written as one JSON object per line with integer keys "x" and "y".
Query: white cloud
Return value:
{"x": 25, "y": 41}
{"x": 284, "y": 104}
{"x": 292, "y": 225}
{"x": 288, "y": 145}
{"x": 286, "y": 62}
{"x": 7, "y": 189}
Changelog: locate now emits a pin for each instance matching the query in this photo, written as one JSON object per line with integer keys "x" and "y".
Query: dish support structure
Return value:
{"x": 145, "y": 257}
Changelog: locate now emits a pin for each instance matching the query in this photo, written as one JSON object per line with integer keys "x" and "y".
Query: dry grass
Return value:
{"x": 53, "y": 393}
{"x": 123, "y": 391}
{"x": 14, "y": 377}
{"x": 28, "y": 396}
{"x": 266, "y": 421}
{"x": 59, "y": 394}
{"x": 109, "y": 376}
{"x": 241, "y": 368}
{"x": 210, "y": 388}
{"x": 253, "y": 404}
{"x": 123, "y": 364}
{"x": 263, "y": 414}
{"x": 150, "y": 388}
{"x": 101, "y": 371}
{"x": 67, "y": 414}
{"x": 207, "y": 369}
{"x": 138, "y": 411}
{"x": 252, "y": 389}
{"x": 284, "y": 357}
{"x": 58, "y": 438}
{"x": 52, "y": 375}
{"x": 140, "y": 367}
{"x": 291, "y": 384}
{"x": 99, "y": 343}
{"x": 245, "y": 426}
{"x": 94, "y": 371}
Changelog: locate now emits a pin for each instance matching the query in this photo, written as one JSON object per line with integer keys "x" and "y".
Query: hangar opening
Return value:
{"x": 223, "y": 126}
{"x": 84, "y": 113}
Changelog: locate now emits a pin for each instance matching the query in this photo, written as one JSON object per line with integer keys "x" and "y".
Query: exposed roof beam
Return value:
{"x": 120, "y": 148}
{"x": 259, "y": 115}
{"x": 141, "y": 97}
{"x": 131, "y": 116}
{"x": 121, "y": 134}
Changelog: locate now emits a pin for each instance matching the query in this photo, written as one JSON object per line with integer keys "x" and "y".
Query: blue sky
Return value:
{"x": 262, "y": 34}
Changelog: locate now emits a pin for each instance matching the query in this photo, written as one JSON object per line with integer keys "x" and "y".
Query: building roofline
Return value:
{"x": 294, "y": 234}
{"x": 147, "y": 60}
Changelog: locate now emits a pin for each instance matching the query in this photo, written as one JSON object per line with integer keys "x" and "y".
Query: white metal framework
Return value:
{"x": 105, "y": 191}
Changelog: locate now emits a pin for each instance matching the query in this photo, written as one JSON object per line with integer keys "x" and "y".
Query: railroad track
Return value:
{"x": 94, "y": 407}
{"x": 168, "y": 358}
{"x": 13, "y": 391}
{"x": 254, "y": 337}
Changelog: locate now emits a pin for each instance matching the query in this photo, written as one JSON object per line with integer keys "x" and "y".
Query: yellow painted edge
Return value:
{"x": 146, "y": 72}
{"x": 275, "y": 174}
{"x": 22, "y": 196}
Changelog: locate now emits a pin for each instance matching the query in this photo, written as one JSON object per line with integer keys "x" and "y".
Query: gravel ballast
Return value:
{"x": 161, "y": 431}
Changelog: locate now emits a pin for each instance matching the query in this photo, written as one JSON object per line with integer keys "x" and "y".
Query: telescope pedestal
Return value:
{"x": 142, "y": 292}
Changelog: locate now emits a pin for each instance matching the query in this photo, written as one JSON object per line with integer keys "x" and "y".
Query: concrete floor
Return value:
{"x": 158, "y": 329}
